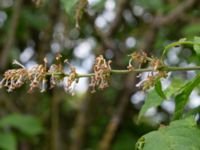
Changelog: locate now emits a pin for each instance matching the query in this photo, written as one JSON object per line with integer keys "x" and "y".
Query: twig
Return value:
{"x": 165, "y": 68}
{"x": 175, "y": 14}
{"x": 160, "y": 21}
{"x": 44, "y": 45}
{"x": 175, "y": 44}
{"x": 117, "y": 116}
{"x": 122, "y": 4}
{"x": 81, "y": 123}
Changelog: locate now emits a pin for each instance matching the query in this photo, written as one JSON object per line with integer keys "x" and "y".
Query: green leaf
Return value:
{"x": 172, "y": 137}
{"x": 193, "y": 111}
{"x": 158, "y": 88}
{"x": 28, "y": 125}
{"x": 174, "y": 87}
{"x": 152, "y": 100}
{"x": 75, "y": 7}
{"x": 182, "y": 39}
{"x": 8, "y": 141}
{"x": 182, "y": 97}
{"x": 197, "y": 45}
{"x": 69, "y": 5}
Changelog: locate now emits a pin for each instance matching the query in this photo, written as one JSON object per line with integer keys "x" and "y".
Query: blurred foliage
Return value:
{"x": 152, "y": 5}
{"x": 27, "y": 125}
{"x": 197, "y": 46}
{"x": 8, "y": 141}
{"x": 69, "y": 6}
{"x": 191, "y": 30}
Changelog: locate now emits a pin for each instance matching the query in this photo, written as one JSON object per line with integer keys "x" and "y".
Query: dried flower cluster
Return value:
{"x": 139, "y": 58}
{"x": 151, "y": 79}
{"x": 72, "y": 80}
{"x": 154, "y": 75}
{"x": 37, "y": 75}
{"x": 158, "y": 73}
{"x": 14, "y": 78}
{"x": 101, "y": 76}
{"x": 55, "y": 70}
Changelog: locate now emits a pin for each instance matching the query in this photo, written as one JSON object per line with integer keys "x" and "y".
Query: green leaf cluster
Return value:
{"x": 25, "y": 124}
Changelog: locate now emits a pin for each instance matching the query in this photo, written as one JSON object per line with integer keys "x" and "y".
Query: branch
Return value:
{"x": 54, "y": 114}
{"x": 175, "y": 14}
{"x": 117, "y": 116}
{"x": 122, "y": 4}
{"x": 159, "y": 21}
{"x": 114, "y": 26}
{"x": 81, "y": 123}
{"x": 44, "y": 45}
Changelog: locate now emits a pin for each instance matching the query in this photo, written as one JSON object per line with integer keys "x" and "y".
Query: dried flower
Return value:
{"x": 150, "y": 82}
{"x": 156, "y": 74}
{"x": 54, "y": 77}
{"x": 147, "y": 83}
{"x": 72, "y": 77}
{"x": 101, "y": 76}
{"x": 54, "y": 69}
{"x": 138, "y": 57}
{"x": 151, "y": 79}
{"x": 37, "y": 75}
{"x": 14, "y": 78}
{"x": 71, "y": 80}
{"x": 156, "y": 63}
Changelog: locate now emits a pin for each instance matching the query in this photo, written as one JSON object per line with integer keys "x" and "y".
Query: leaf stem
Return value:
{"x": 175, "y": 44}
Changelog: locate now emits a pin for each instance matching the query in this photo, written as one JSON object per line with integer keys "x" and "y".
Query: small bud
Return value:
{"x": 58, "y": 56}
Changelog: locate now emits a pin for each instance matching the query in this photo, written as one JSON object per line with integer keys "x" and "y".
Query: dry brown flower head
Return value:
{"x": 101, "y": 76}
